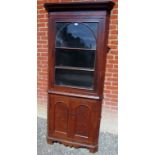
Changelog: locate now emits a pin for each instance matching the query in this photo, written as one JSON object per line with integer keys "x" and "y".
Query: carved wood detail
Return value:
{"x": 82, "y": 114}
{"x": 61, "y": 117}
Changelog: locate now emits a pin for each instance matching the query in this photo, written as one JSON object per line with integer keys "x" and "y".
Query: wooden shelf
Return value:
{"x": 75, "y": 68}
{"x": 79, "y": 49}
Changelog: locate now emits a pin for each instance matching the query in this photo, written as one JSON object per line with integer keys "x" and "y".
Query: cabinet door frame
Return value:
{"x": 52, "y": 102}
{"x": 90, "y": 16}
{"x": 94, "y": 107}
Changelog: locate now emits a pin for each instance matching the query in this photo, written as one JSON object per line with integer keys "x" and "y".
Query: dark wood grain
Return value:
{"x": 83, "y": 120}
{"x": 74, "y": 114}
{"x": 104, "y": 5}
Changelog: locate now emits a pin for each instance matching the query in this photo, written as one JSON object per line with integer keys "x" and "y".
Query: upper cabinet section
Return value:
{"x": 77, "y": 39}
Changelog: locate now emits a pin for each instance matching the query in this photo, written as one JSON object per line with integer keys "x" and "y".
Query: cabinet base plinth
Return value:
{"x": 92, "y": 148}
{"x": 49, "y": 141}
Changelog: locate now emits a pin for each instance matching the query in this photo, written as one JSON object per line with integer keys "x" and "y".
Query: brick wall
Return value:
{"x": 111, "y": 78}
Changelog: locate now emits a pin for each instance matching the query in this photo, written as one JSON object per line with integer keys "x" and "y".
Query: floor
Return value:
{"x": 108, "y": 144}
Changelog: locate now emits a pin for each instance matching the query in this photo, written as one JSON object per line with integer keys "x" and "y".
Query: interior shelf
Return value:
{"x": 75, "y": 68}
{"x": 69, "y": 48}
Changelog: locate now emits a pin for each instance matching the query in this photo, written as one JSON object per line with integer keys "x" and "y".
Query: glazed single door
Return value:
{"x": 75, "y": 53}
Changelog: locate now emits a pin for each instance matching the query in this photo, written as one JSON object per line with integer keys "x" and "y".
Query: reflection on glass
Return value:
{"x": 76, "y": 58}
{"x": 93, "y": 27}
{"x": 76, "y": 35}
{"x": 75, "y": 54}
{"x": 73, "y": 78}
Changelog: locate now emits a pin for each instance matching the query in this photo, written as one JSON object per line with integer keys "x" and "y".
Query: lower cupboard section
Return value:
{"x": 72, "y": 119}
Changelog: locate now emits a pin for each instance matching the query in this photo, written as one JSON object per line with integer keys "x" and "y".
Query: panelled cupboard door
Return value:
{"x": 58, "y": 116}
{"x": 73, "y": 118}
{"x": 86, "y": 119}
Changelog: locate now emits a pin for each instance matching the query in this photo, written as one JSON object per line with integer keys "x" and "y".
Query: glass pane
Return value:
{"x": 75, "y": 58}
{"x": 93, "y": 27}
{"x": 76, "y": 35}
{"x": 74, "y": 78}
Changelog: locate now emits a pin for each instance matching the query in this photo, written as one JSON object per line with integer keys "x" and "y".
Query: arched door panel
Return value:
{"x": 82, "y": 120}
{"x": 61, "y": 117}
{"x": 58, "y": 116}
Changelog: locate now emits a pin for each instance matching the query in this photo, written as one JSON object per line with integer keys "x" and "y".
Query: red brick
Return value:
{"x": 115, "y": 61}
{"x": 112, "y": 26}
{"x": 67, "y": 0}
{"x": 112, "y": 47}
{"x": 113, "y": 17}
{"x": 41, "y": 11}
{"x": 40, "y": 7}
{"x": 109, "y": 65}
{"x": 41, "y": 33}
{"x": 114, "y": 42}
{"x": 43, "y": 29}
{"x": 114, "y": 21}
{"x": 114, "y": 50}
{"x": 40, "y": 16}
{"x": 113, "y": 31}
{"x": 41, "y": 24}
{"x": 112, "y": 36}
{"x": 115, "y": 75}
{"x": 42, "y": 20}
{"x": 108, "y": 74}
{"x": 115, "y": 92}
{"x": 109, "y": 56}
{"x": 42, "y": 42}
{"x": 44, "y": 37}
{"x": 42, "y": 50}
{"x": 44, "y": 54}
{"x": 112, "y": 79}
{"x": 115, "y": 12}
{"x": 40, "y": 2}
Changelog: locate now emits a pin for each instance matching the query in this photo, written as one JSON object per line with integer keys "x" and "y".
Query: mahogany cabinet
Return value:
{"x": 77, "y": 41}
